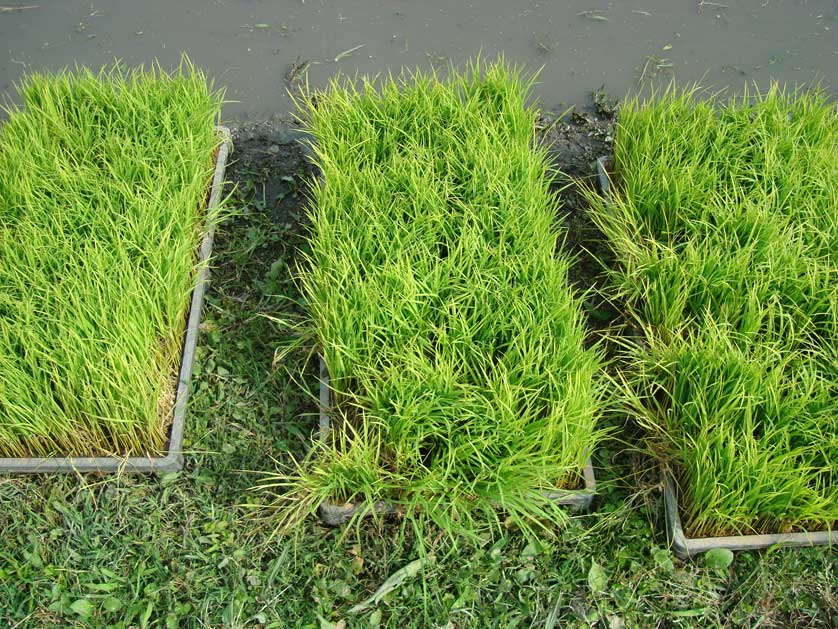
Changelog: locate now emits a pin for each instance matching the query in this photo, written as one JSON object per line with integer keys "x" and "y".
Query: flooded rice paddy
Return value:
{"x": 257, "y": 48}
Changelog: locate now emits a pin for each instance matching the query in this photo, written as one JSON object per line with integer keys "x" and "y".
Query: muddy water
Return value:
{"x": 256, "y": 47}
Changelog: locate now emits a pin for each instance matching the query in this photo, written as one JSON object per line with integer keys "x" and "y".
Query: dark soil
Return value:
{"x": 575, "y": 144}
{"x": 270, "y": 171}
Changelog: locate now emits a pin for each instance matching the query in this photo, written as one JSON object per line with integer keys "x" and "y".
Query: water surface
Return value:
{"x": 255, "y": 47}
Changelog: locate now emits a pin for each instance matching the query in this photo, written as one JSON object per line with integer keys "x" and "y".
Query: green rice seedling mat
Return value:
{"x": 110, "y": 188}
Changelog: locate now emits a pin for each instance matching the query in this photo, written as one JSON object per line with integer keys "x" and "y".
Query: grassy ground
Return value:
{"x": 179, "y": 552}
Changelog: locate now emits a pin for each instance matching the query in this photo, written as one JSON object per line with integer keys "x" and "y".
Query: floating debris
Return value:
{"x": 17, "y": 9}
{"x": 347, "y": 53}
{"x": 594, "y": 14}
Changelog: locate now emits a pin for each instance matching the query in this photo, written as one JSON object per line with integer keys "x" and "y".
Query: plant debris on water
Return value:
{"x": 103, "y": 184}
{"x": 724, "y": 222}
{"x": 441, "y": 307}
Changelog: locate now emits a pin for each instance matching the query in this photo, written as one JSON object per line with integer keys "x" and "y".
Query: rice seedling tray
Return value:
{"x": 687, "y": 548}
{"x": 335, "y": 515}
{"x": 173, "y": 459}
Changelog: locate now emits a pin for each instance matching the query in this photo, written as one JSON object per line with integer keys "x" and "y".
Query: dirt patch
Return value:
{"x": 575, "y": 142}
{"x": 269, "y": 174}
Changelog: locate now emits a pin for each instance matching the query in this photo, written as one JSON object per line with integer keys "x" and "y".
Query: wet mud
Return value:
{"x": 257, "y": 49}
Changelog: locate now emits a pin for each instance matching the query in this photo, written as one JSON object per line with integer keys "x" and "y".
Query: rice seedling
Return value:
{"x": 103, "y": 184}
{"x": 724, "y": 221}
{"x": 436, "y": 297}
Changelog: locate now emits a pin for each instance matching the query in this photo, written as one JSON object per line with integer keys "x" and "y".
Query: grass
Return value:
{"x": 455, "y": 346}
{"x": 103, "y": 185}
{"x": 179, "y": 551}
{"x": 723, "y": 220}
